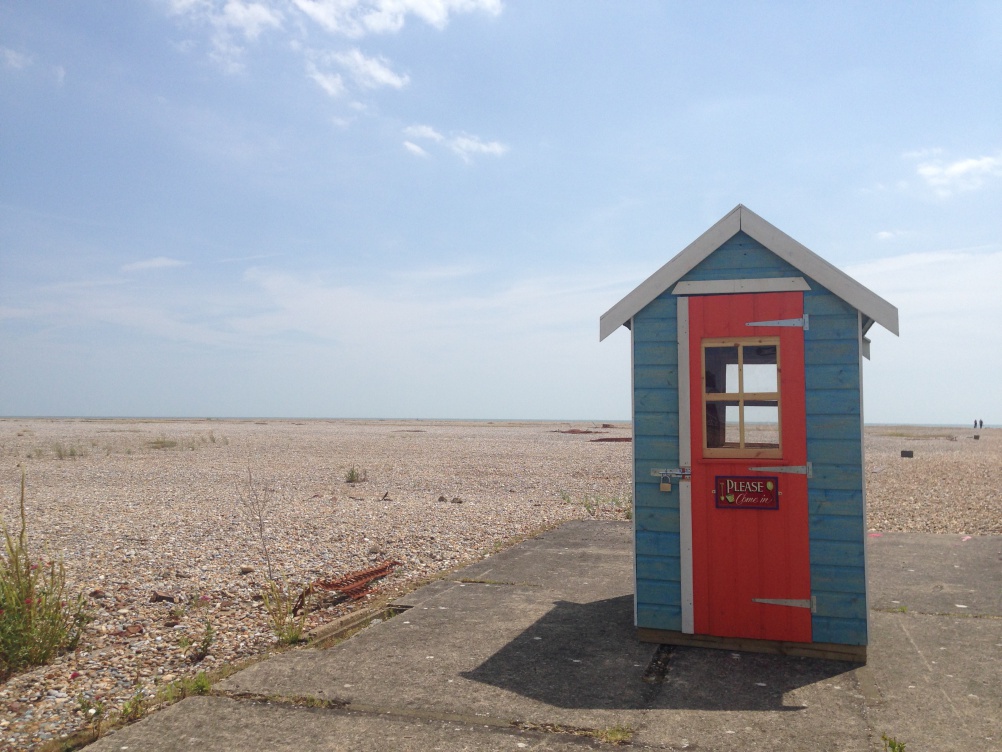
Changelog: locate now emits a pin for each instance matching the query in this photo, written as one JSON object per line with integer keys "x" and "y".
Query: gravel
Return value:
{"x": 147, "y": 517}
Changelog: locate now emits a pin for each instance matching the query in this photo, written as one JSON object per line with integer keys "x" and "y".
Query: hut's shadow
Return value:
{"x": 586, "y": 656}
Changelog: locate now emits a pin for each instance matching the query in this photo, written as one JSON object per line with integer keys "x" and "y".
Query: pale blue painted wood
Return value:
{"x": 656, "y": 424}
{"x": 835, "y": 451}
{"x": 657, "y": 544}
{"x": 831, "y": 579}
{"x": 836, "y": 553}
{"x": 655, "y": 377}
{"x": 656, "y": 519}
{"x": 657, "y": 330}
{"x": 659, "y": 592}
{"x": 844, "y": 528}
{"x": 660, "y": 568}
{"x": 659, "y": 617}
{"x": 829, "y": 352}
{"x": 848, "y": 631}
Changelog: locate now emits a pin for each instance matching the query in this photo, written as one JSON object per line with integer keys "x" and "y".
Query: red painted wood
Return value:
{"x": 741, "y": 554}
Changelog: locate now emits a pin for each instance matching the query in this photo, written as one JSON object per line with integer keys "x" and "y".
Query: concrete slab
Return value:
{"x": 500, "y": 652}
{"x": 542, "y": 635}
{"x": 939, "y": 680}
{"x": 225, "y": 725}
{"x": 937, "y": 574}
{"x": 718, "y": 700}
{"x": 585, "y": 561}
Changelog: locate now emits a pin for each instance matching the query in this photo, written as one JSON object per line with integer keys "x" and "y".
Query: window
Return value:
{"x": 741, "y": 397}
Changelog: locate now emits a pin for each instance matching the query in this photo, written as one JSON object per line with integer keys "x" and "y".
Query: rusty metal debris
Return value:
{"x": 354, "y": 585}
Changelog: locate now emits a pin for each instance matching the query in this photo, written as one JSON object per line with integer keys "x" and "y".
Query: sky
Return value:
{"x": 421, "y": 208}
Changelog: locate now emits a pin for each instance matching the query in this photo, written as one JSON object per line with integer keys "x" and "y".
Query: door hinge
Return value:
{"x": 804, "y": 321}
{"x": 811, "y": 603}
{"x": 807, "y": 469}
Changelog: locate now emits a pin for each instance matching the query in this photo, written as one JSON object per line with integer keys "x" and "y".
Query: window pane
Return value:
{"x": 761, "y": 378}
{"x": 720, "y": 362}
{"x": 762, "y": 424}
{"x": 718, "y": 417}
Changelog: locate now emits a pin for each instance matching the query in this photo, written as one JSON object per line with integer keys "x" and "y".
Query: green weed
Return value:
{"x": 891, "y": 744}
{"x": 280, "y": 603}
{"x": 37, "y": 618}
{"x": 354, "y": 475}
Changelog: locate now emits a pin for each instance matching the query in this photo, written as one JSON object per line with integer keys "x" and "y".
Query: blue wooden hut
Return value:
{"x": 749, "y": 491}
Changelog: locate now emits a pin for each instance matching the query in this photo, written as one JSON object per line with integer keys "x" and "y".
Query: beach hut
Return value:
{"x": 749, "y": 492}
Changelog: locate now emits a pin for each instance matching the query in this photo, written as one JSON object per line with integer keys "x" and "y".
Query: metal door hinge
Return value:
{"x": 811, "y": 603}
{"x": 807, "y": 469}
{"x": 804, "y": 321}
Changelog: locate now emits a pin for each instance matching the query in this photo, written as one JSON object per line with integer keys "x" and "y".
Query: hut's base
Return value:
{"x": 830, "y": 650}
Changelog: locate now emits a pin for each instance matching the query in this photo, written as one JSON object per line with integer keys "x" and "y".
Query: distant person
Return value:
{"x": 981, "y": 424}
{"x": 975, "y": 424}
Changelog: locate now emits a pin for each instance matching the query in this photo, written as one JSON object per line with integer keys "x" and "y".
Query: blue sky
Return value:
{"x": 420, "y": 208}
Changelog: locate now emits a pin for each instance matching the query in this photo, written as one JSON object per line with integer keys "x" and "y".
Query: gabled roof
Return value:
{"x": 741, "y": 219}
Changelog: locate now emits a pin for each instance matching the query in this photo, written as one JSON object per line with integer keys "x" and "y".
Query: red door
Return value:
{"x": 749, "y": 516}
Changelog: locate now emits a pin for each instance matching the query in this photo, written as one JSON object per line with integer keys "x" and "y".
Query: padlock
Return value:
{"x": 665, "y": 483}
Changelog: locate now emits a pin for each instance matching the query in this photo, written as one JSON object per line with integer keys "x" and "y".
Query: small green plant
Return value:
{"x": 281, "y": 605}
{"x": 355, "y": 476}
{"x": 617, "y": 734}
{"x": 93, "y": 713}
{"x": 135, "y": 707}
{"x": 566, "y": 497}
{"x": 37, "y": 618}
{"x": 891, "y": 744}
{"x": 199, "y": 684}
{"x": 197, "y": 653}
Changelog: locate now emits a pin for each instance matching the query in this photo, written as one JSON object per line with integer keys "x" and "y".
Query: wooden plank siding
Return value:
{"x": 655, "y": 445}
{"x": 834, "y": 447}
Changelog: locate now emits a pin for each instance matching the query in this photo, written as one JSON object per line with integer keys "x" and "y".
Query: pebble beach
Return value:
{"x": 155, "y": 524}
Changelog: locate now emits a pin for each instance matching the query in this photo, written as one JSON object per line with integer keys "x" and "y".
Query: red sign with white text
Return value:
{"x": 741, "y": 492}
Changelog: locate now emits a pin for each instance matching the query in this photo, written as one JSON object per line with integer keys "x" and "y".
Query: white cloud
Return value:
{"x": 229, "y": 19}
{"x": 947, "y": 178}
{"x": 423, "y": 131}
{"x": 332, "y": 83}
{"x": 14, "y": 59}
{"x": 356, "y": 18}
{"x": 60, "y": 73}
{"x": 464, "y": 145}
{"x": 369, "y": 72}
{"x": 250, "y": 19}
{"x": 415, "y": 149}
{"x": 160, "y": 262}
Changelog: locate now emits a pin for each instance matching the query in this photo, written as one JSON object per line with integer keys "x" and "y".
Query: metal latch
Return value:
{"x": 682, "y": 473}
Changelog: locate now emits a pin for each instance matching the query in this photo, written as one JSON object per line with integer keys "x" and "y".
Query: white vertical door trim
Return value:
{"x": 685, "y": 461}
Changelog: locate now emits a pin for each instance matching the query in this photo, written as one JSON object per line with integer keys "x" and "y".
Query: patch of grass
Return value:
{"x": 354, "y": 475}
{"x": 67, "y": 451}
{"x": 891, "y": 744}
{"x": 617, "y": 734}
{"x": 38, "y": 620}
{"x": 162, "y": 442}
{"x": 197, "y": 653}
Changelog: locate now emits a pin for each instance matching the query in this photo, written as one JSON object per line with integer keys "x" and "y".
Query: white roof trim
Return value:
{"x": 777, "y": 241}
{"x": 739, "y": 286}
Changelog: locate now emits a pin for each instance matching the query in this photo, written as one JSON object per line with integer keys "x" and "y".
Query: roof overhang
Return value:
{"x": 741, "y": 219}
